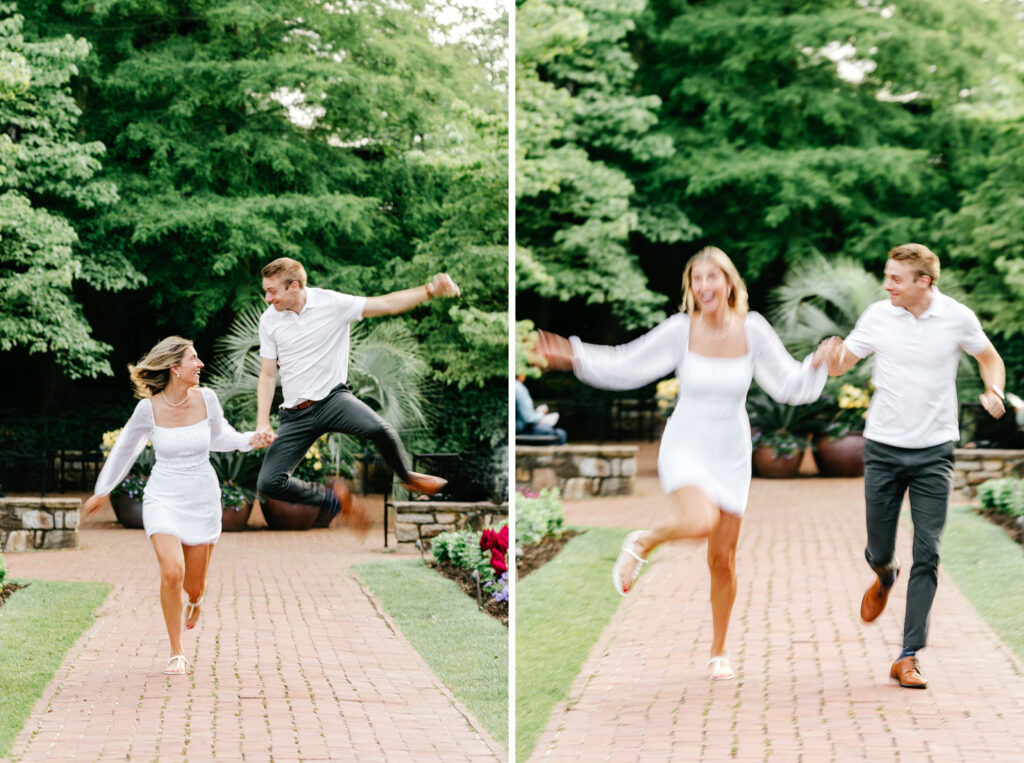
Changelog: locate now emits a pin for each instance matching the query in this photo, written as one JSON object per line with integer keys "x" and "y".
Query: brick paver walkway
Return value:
{"x": 292, "y": 659}
{"x": 813, "y": 679}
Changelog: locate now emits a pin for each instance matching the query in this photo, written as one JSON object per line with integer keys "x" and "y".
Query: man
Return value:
{"x": 305, "y": 334}
{"x": 917, "y": 336}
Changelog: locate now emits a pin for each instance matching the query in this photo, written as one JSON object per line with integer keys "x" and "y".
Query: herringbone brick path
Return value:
{"x": 292, "y": 660}
{"x": 813, "y": 679}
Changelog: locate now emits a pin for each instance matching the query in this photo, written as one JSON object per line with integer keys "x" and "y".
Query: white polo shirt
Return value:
{"x": 311, "y": 348}
{"x": 914, "y": 404}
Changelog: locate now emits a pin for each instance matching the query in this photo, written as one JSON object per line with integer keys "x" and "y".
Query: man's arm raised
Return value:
{"x": 403, "y": 301}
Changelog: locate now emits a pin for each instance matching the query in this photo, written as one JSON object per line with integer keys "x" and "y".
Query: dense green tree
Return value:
{"x": 831, "y": 127}
{"x": 345, "y": 137}
{"x": 48, "y": 185}
{"x": 582, "y": 135}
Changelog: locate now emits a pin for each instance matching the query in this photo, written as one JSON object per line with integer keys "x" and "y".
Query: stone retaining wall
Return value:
{"x": 972, "y": 466}
{"x": 27, "y": 524}
{"x": 579, "y": 471}
{"x": 422, "y": 520}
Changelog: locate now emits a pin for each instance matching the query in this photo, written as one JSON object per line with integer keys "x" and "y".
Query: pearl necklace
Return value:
{"x": 175, "y": 405}
{"x": 722, "y": 334}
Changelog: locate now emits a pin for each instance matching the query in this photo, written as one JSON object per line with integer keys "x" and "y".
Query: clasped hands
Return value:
{"x": 263, "y": 437}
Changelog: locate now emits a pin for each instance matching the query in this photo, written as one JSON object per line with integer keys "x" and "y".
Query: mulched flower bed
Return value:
{"x": 1005, "y": 521}
{"x": 536, "y": 556}
{"x": 464, "y": 578}
{"x": 7, "y": 590}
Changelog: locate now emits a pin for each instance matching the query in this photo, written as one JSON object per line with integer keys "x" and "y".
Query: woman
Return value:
{"x": 181, "y": 508}
{"x": 715, "y": 346}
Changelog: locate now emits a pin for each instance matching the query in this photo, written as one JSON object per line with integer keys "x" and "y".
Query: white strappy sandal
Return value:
{"x": 720, "y": 668}
{"x": 628, "y": 550}
{"x": 190, "y": 608}
{"x": 177, "y": 665}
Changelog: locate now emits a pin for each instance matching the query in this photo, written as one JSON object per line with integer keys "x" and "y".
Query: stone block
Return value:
{"x": 959, "y": 480}
{"x": 445, "y": 517}
{"x": 594, "y": 467}
{"x": 968, "y": 465}
{"x": 976, "y": 478}
{"x": 430, "y": 531}
{"x": 575, "y": 489}
{"x": 993, "y": 465}
{"x": 420, "y": 519}
{"x": 522, "y": 475}
{"x": 406, "y": 532}
{"x": 71, "y": 519}
{"x": 19, "y": 540}
{"x": 33, "y": 519}
{"x": 628, "y": 467}
{"x": 543, "y": 478}
{"x": 60, "y": 539}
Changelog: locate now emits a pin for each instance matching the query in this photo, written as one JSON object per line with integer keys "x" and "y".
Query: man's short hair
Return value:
{"x": 286, "y": 268}
{"x": 920, "y": 257}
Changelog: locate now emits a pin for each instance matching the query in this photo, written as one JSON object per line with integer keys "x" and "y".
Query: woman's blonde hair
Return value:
{"x": 737, "y": 289}
{"x": 153, "y": 372}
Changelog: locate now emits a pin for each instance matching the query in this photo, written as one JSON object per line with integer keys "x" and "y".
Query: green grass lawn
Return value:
{"x": 561, "y": 610}
{"x": 38, "y": 624}
{"x": 467, "y": 649}
{"x": 988, "y": 567}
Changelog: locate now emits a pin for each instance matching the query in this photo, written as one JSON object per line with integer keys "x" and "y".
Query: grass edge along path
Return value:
{"x": 466, "y": 649}
{"x": 38, "y": 625}
{"x": 561, "y": 611}
{"x": 988, "y": 568}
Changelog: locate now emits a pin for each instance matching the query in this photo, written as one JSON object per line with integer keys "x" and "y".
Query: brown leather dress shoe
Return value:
{"x": 424, "y": 483}
{"x": 875, "y": 598}
{"x": 908, "y": 673}
{"x": 353, "y": 515}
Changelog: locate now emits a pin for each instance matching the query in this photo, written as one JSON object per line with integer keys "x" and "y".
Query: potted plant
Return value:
{"x": 780, "y": 434}
{"x": 839, "y": 445}
{"x": 126, "y": 497}
{"x": 236, "y": 471}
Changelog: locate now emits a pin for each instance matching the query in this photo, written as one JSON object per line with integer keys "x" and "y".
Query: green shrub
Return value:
{"x": 462, "y": 548}
{"x": 1003, "y": 495}
{"x": 538, "y": 516}
{"x": 3, "y": 571}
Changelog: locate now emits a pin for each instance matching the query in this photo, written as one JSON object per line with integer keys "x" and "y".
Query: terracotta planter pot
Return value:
{"x": 127, "y": 510}
{"x": 234, "y": 520}
{"x": 843, "y": 457}
{"x": 281, "y": 515}
{"x": 767, "y": 463}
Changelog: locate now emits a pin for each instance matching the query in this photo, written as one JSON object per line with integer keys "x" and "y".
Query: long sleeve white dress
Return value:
{"x": 182, "y": 495}
{"x": 707, "y": 439}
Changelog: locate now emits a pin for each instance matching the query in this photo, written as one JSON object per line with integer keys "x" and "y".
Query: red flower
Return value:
{"x": 497, "y": 544}
{"x": 498, "y": 561}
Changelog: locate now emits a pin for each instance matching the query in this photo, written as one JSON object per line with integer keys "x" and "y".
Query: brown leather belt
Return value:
{"x": 304, "y": 404}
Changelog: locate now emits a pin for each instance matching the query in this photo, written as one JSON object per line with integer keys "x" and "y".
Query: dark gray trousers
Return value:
{"x": 340, "y": 411}
{"x": 928, "y": 473}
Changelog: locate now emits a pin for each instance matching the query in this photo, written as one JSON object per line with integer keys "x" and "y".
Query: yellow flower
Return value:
{"x": 318, "y": 466}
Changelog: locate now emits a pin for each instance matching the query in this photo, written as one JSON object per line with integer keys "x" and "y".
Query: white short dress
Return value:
{"x": 182, "y": 495}
{"x": 707, "y": 439}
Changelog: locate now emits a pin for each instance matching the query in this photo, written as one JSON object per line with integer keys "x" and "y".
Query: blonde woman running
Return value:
{"x": 181, "y": 509}
{"x": 715, "y": 347}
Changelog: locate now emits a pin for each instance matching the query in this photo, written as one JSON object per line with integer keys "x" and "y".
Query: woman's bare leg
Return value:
{"x": 172, "y": 574}
{"x": 197, "y": 566}
{"x": 694, "y": 516}
{"x": 722, "y": 564}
